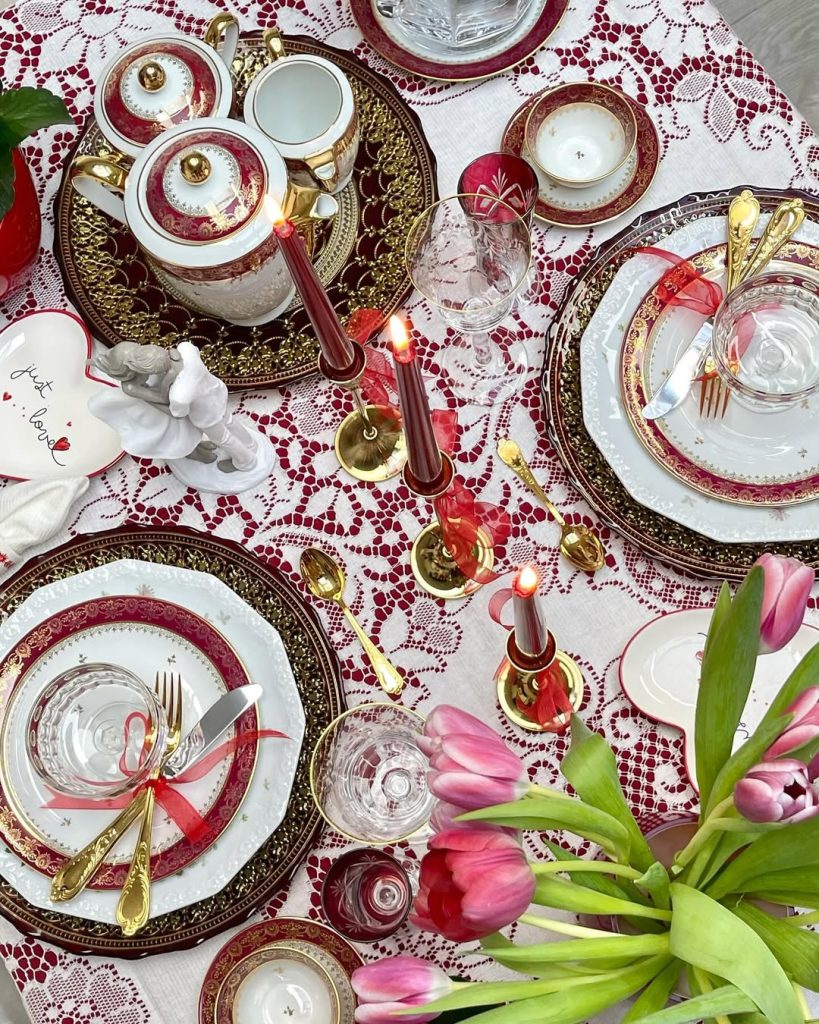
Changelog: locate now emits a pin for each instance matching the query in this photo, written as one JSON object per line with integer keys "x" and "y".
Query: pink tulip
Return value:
{"x": 443, "y": 818}
{"x": 445, "y": 719}
{"x": 804, "y": 725}
{"x": 782, "y": 790}
{"x": 397, "y": 983}
{"x": 473, "y": 882}
{"x": 787, "y": 588}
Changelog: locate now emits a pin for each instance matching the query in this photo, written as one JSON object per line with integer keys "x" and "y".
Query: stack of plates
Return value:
{"x": 706, "y": 495}
{"x": 154, "y": 601}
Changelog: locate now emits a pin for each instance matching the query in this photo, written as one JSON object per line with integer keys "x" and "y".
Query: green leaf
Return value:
{"x": 556, "y": 892}
{"x": 576, "y": 1005}
{"x": 796, "y": 950}
{"x": 726, "y": 846}
{"x": 590, "y": 768}
{"x": 556, "y": 812}
{"x": 727, "y": 673}
{"x": 725, "y": 1000}
{"x": 744, "y": 758}
{"x": 707, "y": 935}
{"x": 6, "y": 182}
{"x": 26, "y": 110}
{"x": 621, "y": 887}
{"x": 656, "y": 882}
{"x": 632, "y": 946}
{"x": 791, "y": 848}
{"x": 655, "y": 995}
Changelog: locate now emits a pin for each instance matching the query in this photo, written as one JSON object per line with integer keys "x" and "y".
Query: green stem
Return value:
{"x": 704, "y": 982}
{"x": 800, "y": 995}
{"x": 800, "y": 919}
{"x": 701, "y": 836}
{"x": 599, "y": 867}
{"x": 535, "y": 790}
{"x": 563, "y": 927}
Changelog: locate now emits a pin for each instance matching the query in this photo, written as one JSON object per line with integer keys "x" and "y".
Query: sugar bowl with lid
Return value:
{"x": 162, "y": 81}
{"x": 194, "y": 202}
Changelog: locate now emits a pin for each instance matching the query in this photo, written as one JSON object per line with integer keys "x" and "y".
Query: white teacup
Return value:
{"x": 304, "y": 104}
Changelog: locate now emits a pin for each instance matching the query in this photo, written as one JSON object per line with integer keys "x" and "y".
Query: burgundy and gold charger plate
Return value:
{"x": 421, "y": 61}
{"x": 316, "y": 672}
{"x": 605, "y": 200}
{"x": 657, "y": 535}
{"x": 33, "y": 822}
{"x": 359, "y": 255}
{"x": 334, "y": 955}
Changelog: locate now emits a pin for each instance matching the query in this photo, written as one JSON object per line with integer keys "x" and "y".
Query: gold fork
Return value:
{"x": 135, "y": 900}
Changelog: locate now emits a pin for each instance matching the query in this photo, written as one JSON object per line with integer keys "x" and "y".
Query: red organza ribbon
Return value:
{"x": 176, "y": 806}
{"x": 552, "y": 709}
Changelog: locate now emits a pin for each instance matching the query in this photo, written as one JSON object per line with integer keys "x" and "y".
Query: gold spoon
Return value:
{"x": 580, "y": 545}
{"x": 325, "y": 579}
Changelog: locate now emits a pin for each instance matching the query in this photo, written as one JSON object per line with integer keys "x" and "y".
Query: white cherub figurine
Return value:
{"x": 171, "y": 407}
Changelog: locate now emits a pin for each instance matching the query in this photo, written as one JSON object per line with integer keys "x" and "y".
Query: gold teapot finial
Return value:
{"x": 195, "y": 167}
{"x": 151, "y": 76}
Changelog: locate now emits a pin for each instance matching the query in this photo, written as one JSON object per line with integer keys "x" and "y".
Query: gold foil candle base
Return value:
{"x": 436, "y": 570}
{"x": 376, "y": 451}
{"x": 514, "y": 683}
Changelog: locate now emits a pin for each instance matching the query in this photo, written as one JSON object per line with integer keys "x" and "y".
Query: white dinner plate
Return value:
{"x": 660, "y": 674}
{"x": 263, "y": 653}
{"x": 605, "y": 418}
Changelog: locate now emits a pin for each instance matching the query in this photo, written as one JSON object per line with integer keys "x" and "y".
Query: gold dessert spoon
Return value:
{"x": 325, "y": 579}
{"x": 580, "y": 545}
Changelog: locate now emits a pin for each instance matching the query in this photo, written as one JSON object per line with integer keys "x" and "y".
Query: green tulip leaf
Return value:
{"x": 577, "y": 1004}
{"x": 556, "y": 892}
{"x": 796, "y": 949}
{"x": 744, "y": 759}
{"x": 727, "y": 673}
{"x": 590, "y": 768}
{"x": 655, "y": 881}
{"x": 556, "y": 812}
{"x": 27, "y": 110}
{"x": 721, "y": 608}
{"x": 712, "y": 938}
{"x": 788, "y": 853}
{"x": 719, "y": 1002}
{"x": 620, "y": 887}
{"x": 654, "y": 996}
{"x": 632, "y": 946}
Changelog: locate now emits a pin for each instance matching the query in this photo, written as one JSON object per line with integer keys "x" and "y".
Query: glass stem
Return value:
{"x": 482, "y": 348}
{"x": 370, "y": 432}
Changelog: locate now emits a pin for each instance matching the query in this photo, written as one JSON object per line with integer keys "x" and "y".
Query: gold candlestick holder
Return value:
{"x": 432, "y": 563}
{"x": 517, "y": 680}
{"x": 370, "y": 443}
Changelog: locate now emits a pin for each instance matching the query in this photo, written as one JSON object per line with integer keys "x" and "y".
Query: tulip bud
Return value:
{"x": 804, "y": 726}
{"x": 787, "y": 588}
{"x": 397, "y": 983}
{"x": 780, "y": 790}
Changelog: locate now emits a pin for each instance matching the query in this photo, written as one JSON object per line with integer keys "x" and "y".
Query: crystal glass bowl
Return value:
{"x": 96, "y": 732}
{"x": 766, "y": 341}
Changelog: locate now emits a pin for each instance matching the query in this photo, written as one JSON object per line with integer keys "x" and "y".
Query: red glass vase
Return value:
{"x": 19, "y": 231}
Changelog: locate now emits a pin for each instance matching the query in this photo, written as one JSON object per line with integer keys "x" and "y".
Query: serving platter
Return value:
{"x": 359, "y": 256}
{"x": 654, "y": 532}
{"x": 252, "y": 873}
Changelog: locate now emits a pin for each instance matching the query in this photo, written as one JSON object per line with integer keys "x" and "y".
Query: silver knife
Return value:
{"x": 73, "y": 876}
{"x": 210, "y": 728}
{"x": 679, "y": 381}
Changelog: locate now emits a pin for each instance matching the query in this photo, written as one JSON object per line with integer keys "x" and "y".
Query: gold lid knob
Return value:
{"x": 195, "y": 167}
{"x": 151, "y": 76}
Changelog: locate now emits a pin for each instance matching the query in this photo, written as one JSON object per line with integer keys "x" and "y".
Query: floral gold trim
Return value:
{"x": 316, "y": 671}
{"x": 112, "y": 283}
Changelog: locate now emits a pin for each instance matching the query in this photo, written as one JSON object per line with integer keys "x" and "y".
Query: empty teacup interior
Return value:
{"x": 580, "y": 142}
{"x": 297, "y": 102}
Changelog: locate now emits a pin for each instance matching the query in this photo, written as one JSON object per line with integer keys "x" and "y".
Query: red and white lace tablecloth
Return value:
{"x": 722, "y": 121}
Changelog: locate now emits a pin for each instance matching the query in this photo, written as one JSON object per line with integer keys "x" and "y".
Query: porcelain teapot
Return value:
{"x": 193, "y": 199}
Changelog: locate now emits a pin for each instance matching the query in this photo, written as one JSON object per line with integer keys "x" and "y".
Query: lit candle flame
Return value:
{"x": 401, "y": 344}
{"x": 273, "y": 212}
{"x": 526, "y": 581}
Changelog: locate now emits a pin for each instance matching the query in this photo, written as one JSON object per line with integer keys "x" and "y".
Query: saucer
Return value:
{"x": 660, "y": 674}
{"x": 580, "y": 134}
{"x": 603, "y": 201}
{"x": 446, "y": 64}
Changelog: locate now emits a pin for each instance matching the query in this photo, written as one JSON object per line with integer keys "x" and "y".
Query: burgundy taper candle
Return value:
{"x": 423, "y": 454}
{"x": 531, "y": 634}
{"x": 336, "y": 348}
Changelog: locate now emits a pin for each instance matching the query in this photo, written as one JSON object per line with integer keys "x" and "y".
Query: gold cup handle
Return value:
{"x": 274, "y": 44}
{"x": 324, "y": 168}
{"x": 303, "y": 203}
{"x": 222, "y": 34}
{"x": 101, "y": 180}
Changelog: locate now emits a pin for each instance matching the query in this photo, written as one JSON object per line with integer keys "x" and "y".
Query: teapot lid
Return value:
{"x": 156, "y": 85}
{"x": 195, "y": 195}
